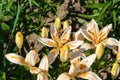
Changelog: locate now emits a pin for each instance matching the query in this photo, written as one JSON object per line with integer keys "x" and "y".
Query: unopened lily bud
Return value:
{"x": 99, "y": 50}
{"x": 118, "y": 57}
{"x": 115, "y": 70}
{"x": 19, "y": 39}
{"x": 44, "y": 32}
{"x": 57, "y": 23}
{"x": 66, "y": 24}
{"x": 65, "y": 53}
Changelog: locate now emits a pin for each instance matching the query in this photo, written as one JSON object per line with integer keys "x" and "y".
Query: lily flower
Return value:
{"x": 42, "y": 70}
{"x": 60, "y": 44}
{"x": 30, "y": 60}
{"x": 93, "y": 34}
{"x": 81, "y": 68}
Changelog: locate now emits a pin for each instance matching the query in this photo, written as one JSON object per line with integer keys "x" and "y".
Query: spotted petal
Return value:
{"x": 89, "y": 75}
{"x": 74, "y": 44}
{"x": 47, "y": 42}
{"x": 44, "y": 63}
{"x": 15, "y": 58}
{"x": 66, "y": 34}
{"x": 52, "y": 55}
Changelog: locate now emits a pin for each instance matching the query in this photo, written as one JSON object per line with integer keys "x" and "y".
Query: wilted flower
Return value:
{"x": 44, "y": 32}
{"x": 19, "y": 39}
{"x": 59, "y": 43}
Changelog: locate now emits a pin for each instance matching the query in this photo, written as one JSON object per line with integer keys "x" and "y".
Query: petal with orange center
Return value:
{"x": 53, "y": 55}
{"x": 47, "y": 42}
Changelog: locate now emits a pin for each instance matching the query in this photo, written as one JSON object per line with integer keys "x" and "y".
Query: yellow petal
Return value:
{"x": 89, "y": 75}
{"x": 47, "y": 42}
{"x": 19, "y": 39}
{"x": 115, "y": 70}
{"x": 66, "y": 35}
{"x": 44, "y": 32}
{"x": 57, "y": 23}
{"x": 99, "y": 50}
{"x": 44, "y": 63}
{"x": 66, "y": 24}
{"x": 64, "y": 76}
{"x": 17, "y": 59}
{"x": 32, "y": 58}
{"x": 64, "y": 53}
{"x": 53, "y": 55}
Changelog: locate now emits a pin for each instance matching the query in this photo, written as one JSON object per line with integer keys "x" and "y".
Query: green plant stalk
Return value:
{"x": 14, "y": 26}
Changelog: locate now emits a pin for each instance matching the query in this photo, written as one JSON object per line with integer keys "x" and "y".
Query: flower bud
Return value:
{"x": 57, "y": 23}
{"x": 64, "y": 53}
{"x": 99, "y": 50}
{"x": 19, "y": 39}
{"x": 44, "y": 32}
{"x": 66, "y": 24}
{"x": 115, "y": 70}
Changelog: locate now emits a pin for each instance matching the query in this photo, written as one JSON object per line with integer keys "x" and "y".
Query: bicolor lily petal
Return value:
{"x": 64, "y": 76}
{"x": 87, "y": 62}
{"x": 89, "y": 75}
{"x": 66, "y": 34}
{"x": 53, "y": 55}
{"x": 32, "y": 58}
{"x": 35, "y": 70}
{"x": 47, "y": 42}
{"x": 42, "y": 76}
{"x": 44, "y": 63}
{"x": 110, "y": 43}
{"x": 74, "y": 44}
{"x": 86, "y": 46}
{"x": 15, "y": 58}
{"x": 78, "y": 35}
